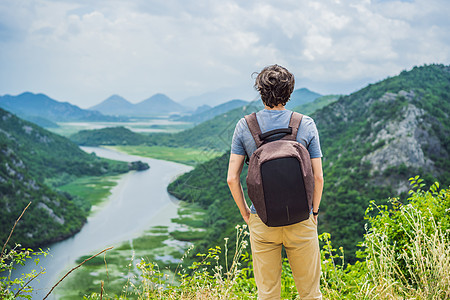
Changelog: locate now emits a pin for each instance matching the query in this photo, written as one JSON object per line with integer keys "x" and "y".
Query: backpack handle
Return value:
{"x": 265, "y": 135}
{"x": 255, "y": 130}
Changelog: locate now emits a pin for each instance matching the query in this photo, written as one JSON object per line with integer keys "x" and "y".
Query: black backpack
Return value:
{"x": 280, "y": 179}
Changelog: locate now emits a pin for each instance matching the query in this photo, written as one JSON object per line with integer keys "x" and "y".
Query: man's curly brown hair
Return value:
{"x": 275, "y": 85}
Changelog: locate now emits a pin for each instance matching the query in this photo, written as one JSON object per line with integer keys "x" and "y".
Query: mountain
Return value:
{"x": 220, "y": 96}
{"x": 201, "y": 109}
{"x": 301, "y": 96}
{"x": 375, "y": 139}
{"x": 158, "y": 104}
{"x": 114, "y": 105}
{"x": 30, "y": 156}
{"x": 39, "y": 105}
{"x": 203, "y": 116}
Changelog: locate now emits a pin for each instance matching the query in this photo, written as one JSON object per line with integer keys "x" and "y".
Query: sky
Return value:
{"x": 84, "y": 51}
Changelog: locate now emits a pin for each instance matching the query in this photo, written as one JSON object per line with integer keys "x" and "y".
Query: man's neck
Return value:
{"x": 278, "y": 107}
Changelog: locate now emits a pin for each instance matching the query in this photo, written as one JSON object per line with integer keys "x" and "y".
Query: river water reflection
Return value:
{"x": 139, "y": 201}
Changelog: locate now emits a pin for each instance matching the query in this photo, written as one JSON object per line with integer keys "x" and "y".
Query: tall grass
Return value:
{"x": 406, "y": 253}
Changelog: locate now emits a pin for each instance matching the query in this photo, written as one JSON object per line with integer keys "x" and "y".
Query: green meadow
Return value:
{"x": 93, "y": 189}
{"x": 188, "y": 156}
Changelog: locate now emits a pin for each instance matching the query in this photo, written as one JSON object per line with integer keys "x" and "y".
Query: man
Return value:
{"x": 275, "y": 85}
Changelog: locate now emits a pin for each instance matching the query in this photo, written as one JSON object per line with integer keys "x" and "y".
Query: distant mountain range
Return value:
{"x": 204, "y": 113}
{"x": 214, "y": 98}
{"x": 158, "y": 104}
{"x": 40, "y": 108}
{"x": 298, "y": 97}
{"x": 214, "y": 133}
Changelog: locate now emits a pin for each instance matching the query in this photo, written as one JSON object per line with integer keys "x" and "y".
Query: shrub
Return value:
{"x": 405, "y": 252}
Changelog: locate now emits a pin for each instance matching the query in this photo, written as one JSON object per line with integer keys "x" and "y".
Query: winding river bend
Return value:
{"x": 139, "y": 201}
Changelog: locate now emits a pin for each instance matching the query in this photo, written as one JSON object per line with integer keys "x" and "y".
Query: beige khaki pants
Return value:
{"x": 302, "y": 248}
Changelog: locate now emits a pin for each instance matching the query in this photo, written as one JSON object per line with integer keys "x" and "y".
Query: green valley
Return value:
{"x": 372, "y": 141}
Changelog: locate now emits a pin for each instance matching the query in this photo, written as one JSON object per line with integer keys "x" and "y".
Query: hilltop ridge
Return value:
{"x": 158, "y": 104}
{"x": 31, "y": 106}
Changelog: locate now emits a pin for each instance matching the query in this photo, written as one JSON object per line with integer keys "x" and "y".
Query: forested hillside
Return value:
{"x": 311, "y": 107}
{"x": 372, "y": 140}
{"x": 31, "y": 156}
{"x": 110, "y": 136}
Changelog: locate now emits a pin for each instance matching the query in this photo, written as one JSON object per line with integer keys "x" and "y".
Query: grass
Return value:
{"x": 191, "y": 215}
{"x": 188, "y": 235}
{"x": 93, "y": 189}
{"x": 188, "y": 156}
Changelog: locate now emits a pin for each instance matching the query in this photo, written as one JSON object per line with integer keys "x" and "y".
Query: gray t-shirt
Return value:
{"x": 243, "y": 142}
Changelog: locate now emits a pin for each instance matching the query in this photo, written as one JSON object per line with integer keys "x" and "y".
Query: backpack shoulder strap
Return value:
{"x": 255, "y": 130}
{"x": 294, "y": 123}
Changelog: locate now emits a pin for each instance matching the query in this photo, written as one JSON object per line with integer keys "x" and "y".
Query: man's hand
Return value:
{"x": 315, "y": 219}
{"x": 246, "y": 216}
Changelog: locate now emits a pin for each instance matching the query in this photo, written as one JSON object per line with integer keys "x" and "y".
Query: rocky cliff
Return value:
{"x": 375, "y": 139}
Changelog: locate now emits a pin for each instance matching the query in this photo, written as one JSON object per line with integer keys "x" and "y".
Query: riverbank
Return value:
{"x": 157, "y": 245}
{"x": 167, "y": 237}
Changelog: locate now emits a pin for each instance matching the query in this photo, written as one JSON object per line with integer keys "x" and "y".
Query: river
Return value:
{"x": 139, "y": 201}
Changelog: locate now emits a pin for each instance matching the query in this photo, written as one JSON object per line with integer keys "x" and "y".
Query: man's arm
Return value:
{"x": 234, "y": 171}
{"x": 316, "y": 164}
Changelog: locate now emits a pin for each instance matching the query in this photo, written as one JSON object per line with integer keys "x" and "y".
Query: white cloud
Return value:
{"x": 83, "y": 51}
